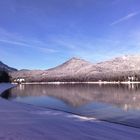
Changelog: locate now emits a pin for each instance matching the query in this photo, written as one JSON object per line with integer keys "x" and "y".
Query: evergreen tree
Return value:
{"x": 4, "y": 76}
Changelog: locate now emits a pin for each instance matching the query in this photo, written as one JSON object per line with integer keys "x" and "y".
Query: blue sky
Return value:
{"x": 39, "y": 34}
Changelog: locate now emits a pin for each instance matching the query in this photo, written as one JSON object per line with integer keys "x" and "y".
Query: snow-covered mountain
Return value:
{"x": 124, "y": 63}
{"x": 71, "y": 67}
{"x": 77, "y": 69}
{"x": 4, "y": 67}
{"x": 68, "y": 70}
{"x": 72, "y": 64}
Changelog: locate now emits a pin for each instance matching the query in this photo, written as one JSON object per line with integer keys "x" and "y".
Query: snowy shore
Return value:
{"x": 5, "y": 86}
{"x": 26, "y": 122}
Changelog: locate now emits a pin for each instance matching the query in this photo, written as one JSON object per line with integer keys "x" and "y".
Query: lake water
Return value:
{"x": 113, "y": 103}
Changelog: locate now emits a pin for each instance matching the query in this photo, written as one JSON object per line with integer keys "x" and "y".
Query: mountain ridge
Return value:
{"x": 77, "y": 69}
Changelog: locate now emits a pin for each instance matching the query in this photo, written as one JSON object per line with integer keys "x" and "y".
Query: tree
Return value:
{"x": 4, "y": 76}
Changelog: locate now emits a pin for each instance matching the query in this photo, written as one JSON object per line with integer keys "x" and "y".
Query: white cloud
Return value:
{"x": 131, "y": 15}
{"x": 16, "y": 40}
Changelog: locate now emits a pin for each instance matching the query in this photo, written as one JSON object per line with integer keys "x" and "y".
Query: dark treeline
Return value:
{"x": 4, "y": 76}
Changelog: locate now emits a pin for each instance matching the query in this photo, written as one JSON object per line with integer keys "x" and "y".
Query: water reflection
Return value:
{"x": 78, "y": 95}
{"x": 117, "y": 103}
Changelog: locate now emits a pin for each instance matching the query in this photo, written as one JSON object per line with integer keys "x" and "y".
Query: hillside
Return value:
{"x": 67, "y": 70}
{"x": 77, "y": 69}
{"x": 124, "y": 63}
{"x": 4, "y": 67}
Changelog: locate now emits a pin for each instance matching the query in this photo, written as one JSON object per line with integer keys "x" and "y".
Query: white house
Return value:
{"x": 19, "y": 80}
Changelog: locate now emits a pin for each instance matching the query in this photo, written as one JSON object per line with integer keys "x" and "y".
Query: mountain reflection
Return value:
{"x": 76, "y": 95}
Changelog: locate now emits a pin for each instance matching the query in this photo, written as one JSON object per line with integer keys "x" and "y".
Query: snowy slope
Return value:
{"x": 77, "y": 69}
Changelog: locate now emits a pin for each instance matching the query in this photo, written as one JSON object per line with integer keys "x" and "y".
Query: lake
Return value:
{"x": 114, "y": 103}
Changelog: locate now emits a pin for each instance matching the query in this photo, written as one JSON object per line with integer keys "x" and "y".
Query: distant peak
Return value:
{"x": 128, "y": 57}
{"x": 75, "y": 58}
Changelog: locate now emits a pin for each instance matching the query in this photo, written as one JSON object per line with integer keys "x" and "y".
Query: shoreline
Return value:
{"x": 100, "y": 83}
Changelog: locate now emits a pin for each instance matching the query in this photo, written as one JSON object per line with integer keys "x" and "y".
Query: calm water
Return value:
{"x": 114, "y": 103}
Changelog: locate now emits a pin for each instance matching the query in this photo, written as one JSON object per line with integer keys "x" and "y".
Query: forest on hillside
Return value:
{"x": 84, "y": 77}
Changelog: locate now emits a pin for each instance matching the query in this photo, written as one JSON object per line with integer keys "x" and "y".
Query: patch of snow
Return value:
{"x": 5, "y": 86}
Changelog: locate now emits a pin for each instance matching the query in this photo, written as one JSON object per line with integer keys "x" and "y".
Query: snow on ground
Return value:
{"x": 20, "y": 121}
{"x": 5, "y": 86}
